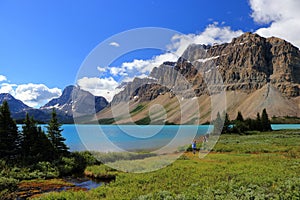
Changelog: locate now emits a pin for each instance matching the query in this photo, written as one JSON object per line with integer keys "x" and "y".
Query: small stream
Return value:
{"x": 79, "y": 183}
{"x": 86, "y": 182}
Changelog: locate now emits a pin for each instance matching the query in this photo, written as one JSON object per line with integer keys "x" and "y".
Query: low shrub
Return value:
{"x": 9, "y": 184}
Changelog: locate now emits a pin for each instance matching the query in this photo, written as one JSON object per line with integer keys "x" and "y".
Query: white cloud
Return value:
{"x": 8, "y": 88}
{"x": 101, "y": 69}
{"x": 212, "y": 34}
{"x": 105, "y": 87}
{"x": 114, "y": 44}
{"x": 283, "y": 17}
{"x": 116, "y": 70}
{"x": 140, "y": 68}
{"x": 145, "y": 66}
{"x": 35, "y": 95}
{"x": 2, "y": 78}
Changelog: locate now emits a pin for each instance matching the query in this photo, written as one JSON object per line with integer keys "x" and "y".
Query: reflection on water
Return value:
{"x": 85, "y": 182}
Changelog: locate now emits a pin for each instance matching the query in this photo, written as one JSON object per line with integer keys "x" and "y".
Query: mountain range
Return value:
{"x": 248, "y": 74}
{"x": 251, "y": 72}
{"x": 64, "y": 106}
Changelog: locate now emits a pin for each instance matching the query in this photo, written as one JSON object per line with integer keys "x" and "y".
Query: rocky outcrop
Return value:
{"x": 148, "y": 92}
{"x": 253, "y": 71}
{"x": 249, "y": 62}
{"x": 129, "y": 89}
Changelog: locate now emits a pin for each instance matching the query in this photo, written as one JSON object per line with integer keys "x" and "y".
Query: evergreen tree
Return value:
{"x": 218, "y": 123}
{"x": 239, "y": 117}
{"x": 240, "y": 126}
{"x": 9, "y": 135}
{"x": 250, "y": 124}
{"x": 265, "y": 122}
{"x": 28, "y": 138}
{"x": 226, "y": 127}
{"x": 54, "y": 134}
{"x": 43, "y": 148}
{"x": 258, "y": 125}
{"x": 35, "y": 144}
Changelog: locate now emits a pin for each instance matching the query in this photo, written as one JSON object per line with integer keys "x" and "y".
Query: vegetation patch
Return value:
{"x": 137, "y": 109}
{"x": 116, "y": 156}
{"x": 246, "y": 172}
{"x": 35, "y": 188}
{"x": 106, "y": 121}
{"x": 102, "y": 172}
{"x": 144, "y": 121}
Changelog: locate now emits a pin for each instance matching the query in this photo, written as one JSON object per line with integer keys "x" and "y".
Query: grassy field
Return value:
{"x": 255, "y": 166}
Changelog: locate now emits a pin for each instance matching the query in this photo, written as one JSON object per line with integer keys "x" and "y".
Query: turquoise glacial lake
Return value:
{"x": 132, "y": 137}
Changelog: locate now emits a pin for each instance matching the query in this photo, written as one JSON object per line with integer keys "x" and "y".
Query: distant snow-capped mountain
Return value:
{"x": 72, "y": 101}
{"x": 75, "y": 100}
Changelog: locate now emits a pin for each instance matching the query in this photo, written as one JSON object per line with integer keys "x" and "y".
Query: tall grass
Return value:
{"x": 116, "y": 156}
{"x": 259, "y": 166}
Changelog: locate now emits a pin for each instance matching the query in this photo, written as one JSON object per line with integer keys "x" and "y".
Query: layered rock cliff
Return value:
{"x": 249, "y": 62}
{"x": 249, "y": 67}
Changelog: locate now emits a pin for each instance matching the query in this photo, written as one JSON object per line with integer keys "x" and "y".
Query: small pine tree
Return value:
{"x": 239, "y": 117}
{"x": 54, "y": 134}
{"x": 218, "y": 124}
{"x": 43, "y": 148}
{"x": 258, "y": 125}
{"x": 240, "y": 125}
{"x": 35, "y": 144}
{"x": 226, "y": 127}
{"x": 9, "y": 135}
{"x": 28, "y": 138}
{"x": 265, "y": 122}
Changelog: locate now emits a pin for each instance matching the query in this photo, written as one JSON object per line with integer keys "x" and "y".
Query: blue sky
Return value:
{"x": 44, "y": 43}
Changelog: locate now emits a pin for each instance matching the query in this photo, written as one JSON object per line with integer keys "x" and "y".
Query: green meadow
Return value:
{"x": 253, "y": 166}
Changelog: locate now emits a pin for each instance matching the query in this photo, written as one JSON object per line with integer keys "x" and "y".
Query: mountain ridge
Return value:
{"x": 249, "y": 67}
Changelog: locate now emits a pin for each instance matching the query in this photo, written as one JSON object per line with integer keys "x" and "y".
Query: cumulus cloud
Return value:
{"x": 212, "y": 34}
{"x": 282, "y": 18}
{"x": 114, "y": 44}
{"x": 105, "y": 87}
{"x": 145, "y": 66}
{"x": 35, "y": 95}
{"x": 101, "y": 69}
{"x": 2, "y": 78}
{"x": 140, "y": 68}
{"x": 8, "y": 88}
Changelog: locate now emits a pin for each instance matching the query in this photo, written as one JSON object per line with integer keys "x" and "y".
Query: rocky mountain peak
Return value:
{"x": 75, "y": 100}
{"x": 248, "y": 37}
{"x": 247, "y": 63}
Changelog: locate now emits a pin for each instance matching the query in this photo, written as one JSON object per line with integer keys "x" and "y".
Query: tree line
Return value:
{"x": 240, "y": 125}
{"x": 32, "y": 144}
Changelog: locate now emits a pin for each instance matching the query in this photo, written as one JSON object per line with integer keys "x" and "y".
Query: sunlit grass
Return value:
{"x": 258, "y": 166}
